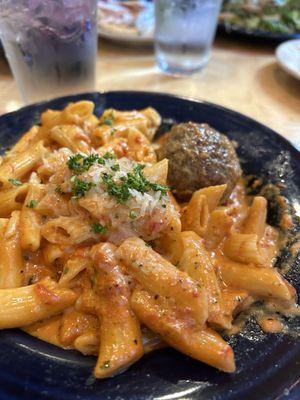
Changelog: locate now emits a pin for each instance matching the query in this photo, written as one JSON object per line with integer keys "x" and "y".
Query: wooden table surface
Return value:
{"x": 240, "y": 75}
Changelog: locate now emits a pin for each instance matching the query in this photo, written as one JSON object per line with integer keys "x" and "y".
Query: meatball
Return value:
{"x": 199, "y": 156}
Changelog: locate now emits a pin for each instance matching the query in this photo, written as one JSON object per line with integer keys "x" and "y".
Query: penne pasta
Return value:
{"x": 262, "y": 282}
{"x": 202, "y": 344}
{"x": 20, "y": 164}
{"x": 11, "y": 261}
{"x": 161, "y": 277}
{"x": 244, "y": 248}
{"x": 196, "y": 214}
{"x": 120, "y": 336}
{"x": 47, "y": 330}
{"x": 70, "y": 136}
{"x": 75, "y": 324}
{"x": 157, "y": 172}
{"x": 67, "y": 230}
{"x": 87, "y": 344}
{"x": 25, "y": 305}
{"x": 25, "y": 141}
{"x": 219, "y": 227}
{"x": 72, "y": 268}
{"x": 195, "y": 261}
{"x": 256, "y": 220}
{"x": 30, "y": 220}
{"x": 12, "y": 199}
{"x": 213, "y": 195}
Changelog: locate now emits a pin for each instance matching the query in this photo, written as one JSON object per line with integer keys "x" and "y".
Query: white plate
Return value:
{"x": 131, "y": 22}
{"x": 288, "y": 56}
{"x": 122, "y": 34}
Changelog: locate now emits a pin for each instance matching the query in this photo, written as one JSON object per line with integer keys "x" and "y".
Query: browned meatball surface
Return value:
{"x": 199, "y": 156}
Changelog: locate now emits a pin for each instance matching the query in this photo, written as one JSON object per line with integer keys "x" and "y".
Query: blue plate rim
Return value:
{"x": 165, "y": 94}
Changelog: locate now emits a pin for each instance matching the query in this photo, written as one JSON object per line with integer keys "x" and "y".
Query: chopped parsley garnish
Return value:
{"x": 32, "y": 204}
{"x": 98, "y": 228}
{"x": 134, "y": 180}
{"x": 15, "y": 182}
{"x": 79, "y": 163}
{"x": 66, "y": 270}
{"x": 80, "y": 187}
{"x": 109, "y": 156}
{"x": 58, "y": 190}
{"x": 132, "y": 215}
{"x": 115, "y": 167}
{"x": 109, "y": 119}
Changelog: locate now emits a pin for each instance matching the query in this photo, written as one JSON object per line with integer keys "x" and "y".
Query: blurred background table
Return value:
{"x": 242, "y": 76}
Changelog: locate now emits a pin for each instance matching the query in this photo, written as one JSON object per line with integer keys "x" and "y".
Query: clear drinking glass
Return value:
{"x": 51, "y": 45}
{"x": 184, "y": 33}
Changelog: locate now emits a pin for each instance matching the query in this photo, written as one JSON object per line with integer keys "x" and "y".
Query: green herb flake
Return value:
{"x": 58, "y": 190}
{"x": 32, "y": 204}
{"x": 66, "y": 270}
{"x": 109, "y": 119}
{"x": 98, "y": 228}
{"x": 133, "y": 180}
{"x": 15, "y": 182}
{"x": 115, "y": 167}
{"x": 132, "y": 215}
{"x": 80, "y": 187}
{"x": 79, "y": 163}
{"x": 105, "y": 365}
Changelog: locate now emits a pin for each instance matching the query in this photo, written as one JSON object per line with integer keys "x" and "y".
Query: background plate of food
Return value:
{"x": 228, "y": 169}
{"x": 276, "y": 20}
{"x": 130, "y": 21}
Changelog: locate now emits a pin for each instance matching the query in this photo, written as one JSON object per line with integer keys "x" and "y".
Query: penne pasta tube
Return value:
{"x": 87, "y": 344}
{"x": 30, "y": 220}
{"x": 233, "y": 302}
{"x": 196, "y": 263}
{"x": 25, "y": 305}
{"x": 255, "y": 222}
{"x": 47, "y": 330}
{"x": 158, "y": 172}
{"x": 21, "y": 164}
{"x": 72, "y": 268}
{"x": 25, "y": 141}
{"x": 67, "y": 231}
{"x": 52, "y": 252}
{"x": 50, "y": 118}
{"x": 178, "y": 331}
{"x": 196, "y": 214}
{"x": 12, "y": 199}
{"x": 72, "y": 137}
{"x": 74, "y": 324}
{"x": 155, "y": 273}
{"x": 213, "y": 195}
{"x": 244, "y": 248}
{"x": 77, "y": 113}
{"x": 11, "y": 260}
{"x": 261, "y": 282}
{"x": 219, "y": 227}
{"x": 120, "y": 335}
{"x": 170, "y": 243}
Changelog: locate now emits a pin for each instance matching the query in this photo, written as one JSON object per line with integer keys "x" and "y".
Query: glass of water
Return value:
{"x": 184, "y": 32}
{"x": 51, "y": 45}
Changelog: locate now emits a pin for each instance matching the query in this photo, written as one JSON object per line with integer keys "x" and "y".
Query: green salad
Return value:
{"x": 278, "y": 16}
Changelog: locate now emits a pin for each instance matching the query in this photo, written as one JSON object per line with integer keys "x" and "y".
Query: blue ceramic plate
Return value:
{"x": 267, "y": 365}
